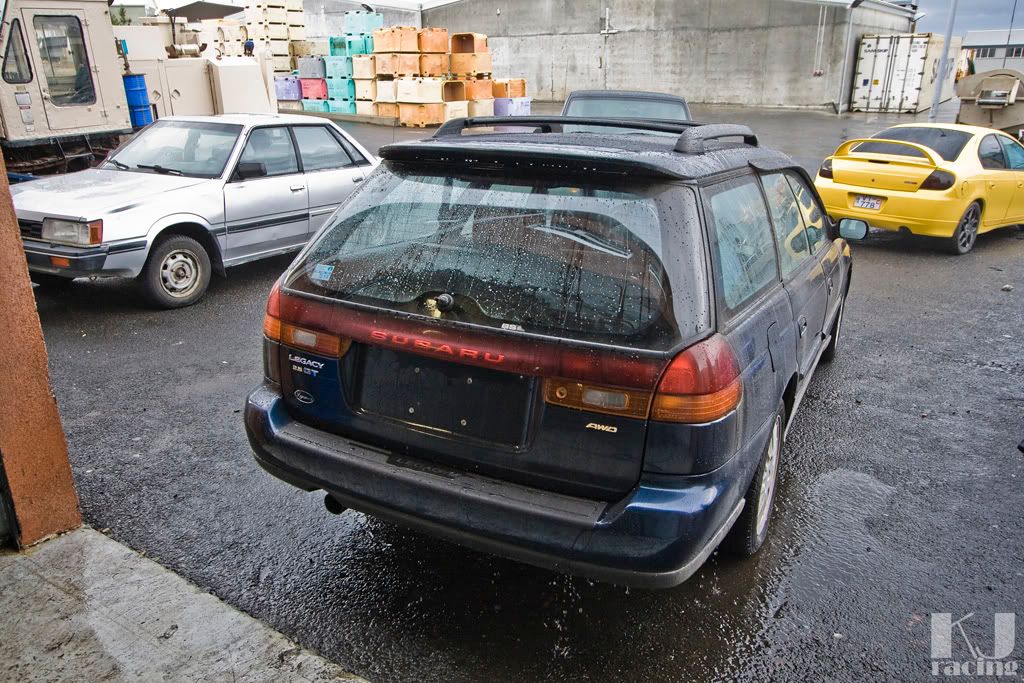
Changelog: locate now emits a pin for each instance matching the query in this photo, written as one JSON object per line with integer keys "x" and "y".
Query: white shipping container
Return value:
{"x": 898, "y": 73}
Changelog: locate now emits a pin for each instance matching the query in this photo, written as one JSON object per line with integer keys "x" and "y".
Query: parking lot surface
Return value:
{"x": 900, "y": 493}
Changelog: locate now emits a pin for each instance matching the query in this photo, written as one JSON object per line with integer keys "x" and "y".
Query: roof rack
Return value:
{"x": 692, "y": 134}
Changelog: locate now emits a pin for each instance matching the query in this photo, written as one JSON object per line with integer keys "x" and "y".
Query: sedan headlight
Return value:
{"x": 72, "y": 232}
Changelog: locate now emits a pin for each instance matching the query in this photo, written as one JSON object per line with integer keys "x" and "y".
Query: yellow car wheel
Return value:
{"x": 966, "y": 233}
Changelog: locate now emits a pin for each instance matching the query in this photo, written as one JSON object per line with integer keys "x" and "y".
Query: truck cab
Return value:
{"x": 62, "y": 99}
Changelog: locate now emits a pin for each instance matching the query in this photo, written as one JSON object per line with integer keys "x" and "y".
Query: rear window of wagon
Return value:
{"x": 556, "y": 256}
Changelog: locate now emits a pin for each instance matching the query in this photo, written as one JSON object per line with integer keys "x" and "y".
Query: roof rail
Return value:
{"x": 553, "y": 124}
{"x": 691, "y": 141}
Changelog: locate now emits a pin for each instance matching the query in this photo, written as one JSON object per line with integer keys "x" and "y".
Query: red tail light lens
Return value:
{"x": 300, "y": 337}
{"x": 826, "y": 168}
{"x": 939, "y": 180}
{"x": 701, "y": 384}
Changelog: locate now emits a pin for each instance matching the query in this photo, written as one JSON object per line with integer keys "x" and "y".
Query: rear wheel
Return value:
{"x": 176, "y": 274}
{"x": 747, "y": 536}
{"x": 966, "y": 233}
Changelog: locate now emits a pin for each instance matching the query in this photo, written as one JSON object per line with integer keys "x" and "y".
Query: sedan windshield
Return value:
{"x": 187, "y": 148}
{"x": 946, "y": 142}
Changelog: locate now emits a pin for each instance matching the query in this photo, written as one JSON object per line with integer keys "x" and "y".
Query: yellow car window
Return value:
{"x": 787, "y": 222}
{"x": 814, "y": 217}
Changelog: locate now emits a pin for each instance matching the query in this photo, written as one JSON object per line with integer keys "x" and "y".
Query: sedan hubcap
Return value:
{"x": 968, "y": 229}
{"x": 179, "y": 273}
{"x": 768, "y": 475}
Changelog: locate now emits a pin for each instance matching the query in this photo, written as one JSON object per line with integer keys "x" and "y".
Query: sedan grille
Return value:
{"x": 33, "y": 229}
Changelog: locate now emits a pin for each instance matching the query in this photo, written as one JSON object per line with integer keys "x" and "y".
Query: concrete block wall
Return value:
{"x": 755, "y": 52}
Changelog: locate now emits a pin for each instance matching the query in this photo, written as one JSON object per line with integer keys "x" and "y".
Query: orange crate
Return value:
{"x": 434, "y": 64}
{"x": 433, "y": 40}
{"x": 397, "y": 64}
{"x": 478, "y": 88}
{"x": 421, "y": 115}
{"x": 389, "y": 109}
{"x": 469, "y": 42}
{"x": 510, "y": 87}
{"x": 471, "y": 63}
{"x": 396, "y": 39}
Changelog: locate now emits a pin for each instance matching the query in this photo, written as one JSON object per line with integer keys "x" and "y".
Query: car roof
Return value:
{"x": 250, "y": 119}
{"x": 625, "y": 95}
{"x": 653, "y": 154}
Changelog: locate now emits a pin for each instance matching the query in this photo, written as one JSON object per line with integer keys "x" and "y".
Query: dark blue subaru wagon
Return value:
{"x": 576, "y": 350}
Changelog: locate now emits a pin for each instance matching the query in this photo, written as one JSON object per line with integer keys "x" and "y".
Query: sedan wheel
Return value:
{"x": 966, "y": 233}
{"x": 177, "y": 272}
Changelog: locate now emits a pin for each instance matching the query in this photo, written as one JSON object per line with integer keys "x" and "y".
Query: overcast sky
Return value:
{"x": 972, "y": 15}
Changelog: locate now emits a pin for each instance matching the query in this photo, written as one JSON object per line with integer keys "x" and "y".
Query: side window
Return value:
{"x": 319, "y": 149}
{"x": 990, "y": 153}
{"x": 1014, "y": 152}
{"x": 357, "y": 158}
{"x": 787, "y": 222}
{"x": 815, "y": 220}
{"x": 743, "y": 242}
{"x": 65, "y": 62}
{"x": 273, "y": 148}
{"x": 16, "y": 68}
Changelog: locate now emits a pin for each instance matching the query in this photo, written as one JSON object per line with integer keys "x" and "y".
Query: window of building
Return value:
{"x": 65, "y": 61}
{"x": 16, "y": 67}
{"x": 1017, "y": 51}
{"x": 984, "y": 53}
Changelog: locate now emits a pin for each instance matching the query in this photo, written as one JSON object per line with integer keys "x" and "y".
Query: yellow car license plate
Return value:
{"x": 863, "y": 201}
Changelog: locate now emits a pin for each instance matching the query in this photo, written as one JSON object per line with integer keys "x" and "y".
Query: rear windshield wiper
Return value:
{"x": 159, "y": 169}
{"x": 585, "y": 238}
{"x": 115, "y": 162}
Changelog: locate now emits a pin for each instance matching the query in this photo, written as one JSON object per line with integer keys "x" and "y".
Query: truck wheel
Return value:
{"x": 966, "y": 233}
{"x": 751, "y": 528}
{"x": 176, "y": 273}
{"x": 830, "y": 352}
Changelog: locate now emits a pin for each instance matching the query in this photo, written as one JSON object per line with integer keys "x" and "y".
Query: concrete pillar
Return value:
{"x": 35, "y": 474}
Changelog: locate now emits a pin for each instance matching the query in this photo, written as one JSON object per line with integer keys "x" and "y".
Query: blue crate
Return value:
{"x": 362, "y": 22}
{"x": 341, "y": 106}
{"x": 338, "y": 67}
{"x": 341, "y": 89}
{"x": 338, "y": 48}
{"x": 317, "y": 105}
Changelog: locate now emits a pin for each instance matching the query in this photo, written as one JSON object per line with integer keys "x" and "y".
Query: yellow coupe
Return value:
{"x": 938, "y": 180}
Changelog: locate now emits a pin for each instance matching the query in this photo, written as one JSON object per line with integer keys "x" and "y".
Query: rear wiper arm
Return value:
{"x": 160, "y": 169}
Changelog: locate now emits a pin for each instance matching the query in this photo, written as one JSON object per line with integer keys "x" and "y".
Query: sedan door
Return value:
{"x": 821, "y": 245}
{"x": 266, "y": 212}
{"x": 331, "y": 172}
{"x": 1015, "y": 160}
{"x": 999, "y": 181}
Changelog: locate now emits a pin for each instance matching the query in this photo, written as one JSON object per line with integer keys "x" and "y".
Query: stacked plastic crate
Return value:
{"x": 266, "y": 24}
{"x": 396, "y": 54}
{"x": 471, "y": 62}
{"x": 289, "y": 93}
{"x": 510, "y": 97}
{"x": 357, "y": 41}
{"x": 313, "y": 83}
{"x": 412, "y": 67}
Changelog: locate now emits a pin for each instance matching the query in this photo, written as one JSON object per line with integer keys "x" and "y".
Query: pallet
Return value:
{"x": 472, "y": 76}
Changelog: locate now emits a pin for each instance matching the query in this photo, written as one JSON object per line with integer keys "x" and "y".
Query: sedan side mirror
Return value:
{"x": 250, "y": 169}
{"x": 853, "y": 229}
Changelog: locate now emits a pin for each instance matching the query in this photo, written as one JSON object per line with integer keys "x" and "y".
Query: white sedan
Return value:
{"x": 189, "y": 196}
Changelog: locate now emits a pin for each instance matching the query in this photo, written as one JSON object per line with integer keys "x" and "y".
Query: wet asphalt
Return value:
{"x": 900, "y": 490}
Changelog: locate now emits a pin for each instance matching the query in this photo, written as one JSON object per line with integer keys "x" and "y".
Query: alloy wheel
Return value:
{"x": 769, "y": 475}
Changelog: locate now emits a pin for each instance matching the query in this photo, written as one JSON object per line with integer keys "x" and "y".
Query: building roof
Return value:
{"x": 994, "y": 38}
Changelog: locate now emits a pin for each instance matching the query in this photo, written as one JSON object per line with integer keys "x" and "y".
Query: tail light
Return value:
{"x": 285, "y": 333}
{"x": 826, "y": 168}
{"x": 701, "y": 384}
{"x": 939, "y": 180}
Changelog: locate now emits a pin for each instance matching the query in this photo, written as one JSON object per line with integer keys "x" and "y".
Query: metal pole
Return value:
{"x": 846, "y": 60}
{"x": 933, "y": 113}
{"x": 1009, "y": 34}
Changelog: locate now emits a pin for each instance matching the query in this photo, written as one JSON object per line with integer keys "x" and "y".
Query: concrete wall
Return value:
{"x": 756, "y": 52}
{"x": 323, "y": 17}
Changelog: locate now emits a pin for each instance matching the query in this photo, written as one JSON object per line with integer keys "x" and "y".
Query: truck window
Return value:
{"x": 65, "y": 60}
{"x": 16, "y": 68}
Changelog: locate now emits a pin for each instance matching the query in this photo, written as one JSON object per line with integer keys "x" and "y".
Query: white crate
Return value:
{"x": 387, "y": 91}
{"x": 364, "y": 108}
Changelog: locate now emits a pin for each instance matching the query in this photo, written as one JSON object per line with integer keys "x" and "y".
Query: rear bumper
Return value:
{"x": 929, "y": 213}
{"x": 656, "y": 537}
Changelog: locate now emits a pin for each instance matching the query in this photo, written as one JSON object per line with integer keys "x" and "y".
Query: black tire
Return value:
{"x": 966, "y": 234}
{"x": 832, "y": 350}
{"x": 52, "y": 282}
{"x": 176, "y": 273}
{"x": 748, "y": 533}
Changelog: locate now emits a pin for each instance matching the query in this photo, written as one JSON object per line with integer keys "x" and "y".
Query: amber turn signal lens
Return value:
{"x": 60, "y": 262}
{"x": 697, "y": 408}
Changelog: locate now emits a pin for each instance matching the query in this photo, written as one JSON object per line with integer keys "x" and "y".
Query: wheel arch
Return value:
{"x": 195, "y": 228}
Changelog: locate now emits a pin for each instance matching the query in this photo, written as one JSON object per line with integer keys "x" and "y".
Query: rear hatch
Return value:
{"x": 899, "y": 158}
{"x": 507, "y": 325}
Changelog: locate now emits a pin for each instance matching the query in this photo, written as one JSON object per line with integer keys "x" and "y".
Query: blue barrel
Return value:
{"x": 138, "y": 100}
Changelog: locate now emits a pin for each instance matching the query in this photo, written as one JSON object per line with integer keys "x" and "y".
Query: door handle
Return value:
{"x": 802, "y": 322}
{"x": 991, "y": 185}
{"x": 828, "y": 283}
{"x": 297, "y": 188}
{"x": 1020, "y": 184}
{"x": 357, "y": 179}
